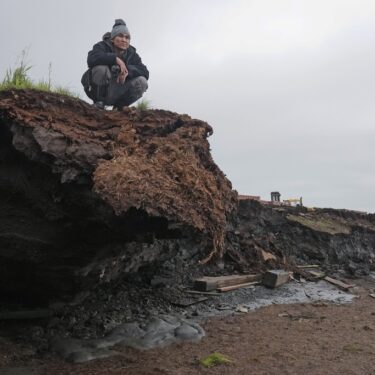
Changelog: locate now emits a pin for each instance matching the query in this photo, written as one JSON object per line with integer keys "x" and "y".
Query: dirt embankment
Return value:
{"x": 338, "y": 240}
{"x": 87, "y": 195}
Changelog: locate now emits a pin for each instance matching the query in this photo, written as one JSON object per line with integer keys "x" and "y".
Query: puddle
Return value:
{"x": 167, "y": 329}
{"x": 157, "y": 332}
{"x": 256, "y": 297}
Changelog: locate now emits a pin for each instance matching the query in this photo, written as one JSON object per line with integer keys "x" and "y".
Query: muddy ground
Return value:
{"x": 308, "y": 338}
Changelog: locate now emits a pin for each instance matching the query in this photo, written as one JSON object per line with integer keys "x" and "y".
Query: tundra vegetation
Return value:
{"x": 215, "y": 359}
{"x": 18, "y": 78}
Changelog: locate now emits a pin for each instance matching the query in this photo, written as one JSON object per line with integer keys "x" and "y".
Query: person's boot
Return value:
{"x": 101, "y": 95}
{"x": 99, "y": 105}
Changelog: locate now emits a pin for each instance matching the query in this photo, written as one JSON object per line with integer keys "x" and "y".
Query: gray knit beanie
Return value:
{"x": 119, "y": 28}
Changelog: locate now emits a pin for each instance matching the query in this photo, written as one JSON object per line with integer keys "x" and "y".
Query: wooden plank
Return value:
{"x": 317, "y": 274}
{"x": 208, "y": 283}
{"x": 205, "y": 284}
{"x": 309, "y": 266}
{"x": 238, "y": 286}
{"x": 338, "y": 283}
{"x": 275, "y": 278}
{"x": 240, "y": 279}
{"x": 188, "y": 301}
{"x": 203, "y": 293}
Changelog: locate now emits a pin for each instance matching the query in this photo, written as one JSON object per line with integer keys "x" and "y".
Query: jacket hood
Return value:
{"x": 107, "y": 37}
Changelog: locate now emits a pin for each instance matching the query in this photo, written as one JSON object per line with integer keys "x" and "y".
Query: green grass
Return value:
{"x": 143, "y": 105}
{"x": 215, "y": 359}
{"x": 321, "y": 223}
{"x": 353, "y": 348}
{"x": 18, "y": 78}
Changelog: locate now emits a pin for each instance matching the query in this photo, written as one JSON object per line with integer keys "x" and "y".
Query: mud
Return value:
{"x": 158, "y": 332}
{"x": 172, "y": 325}
{"x": 171, "y": 329}
{"x": 305, "y": 338}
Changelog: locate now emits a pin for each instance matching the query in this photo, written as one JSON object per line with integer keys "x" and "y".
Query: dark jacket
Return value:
{"x": 103, "y": 54}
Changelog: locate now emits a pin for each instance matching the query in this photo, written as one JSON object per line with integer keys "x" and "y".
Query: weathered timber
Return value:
{"x": 275, "y": 278}
{"x": 208, "y": 283}
{"x": 238, "y": 286}
{"x": 317, "y": 274}
{"x": 338, "y": 283}
{"x": 188, "y": 302}
{"x": 203, "y": 293}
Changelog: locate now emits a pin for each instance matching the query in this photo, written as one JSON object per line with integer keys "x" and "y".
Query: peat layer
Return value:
{"x": 87, "y": 195}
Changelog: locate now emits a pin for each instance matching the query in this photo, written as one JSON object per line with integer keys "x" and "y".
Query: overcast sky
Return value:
{"x": 287, "y": 85}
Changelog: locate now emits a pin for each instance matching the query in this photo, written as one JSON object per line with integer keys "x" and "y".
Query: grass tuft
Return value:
{"x": 321, "y": 223}
{"x": 143, "y": 105}
{"x": 353, "y": 348}
{"x": 18, "y": 78}
{"x": 215, "y": 359}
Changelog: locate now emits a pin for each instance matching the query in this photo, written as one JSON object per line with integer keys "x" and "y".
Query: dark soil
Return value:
{"x": 312, "y": 339}
{"x": 88, "y": 195}
{"x": 106, "y": 216}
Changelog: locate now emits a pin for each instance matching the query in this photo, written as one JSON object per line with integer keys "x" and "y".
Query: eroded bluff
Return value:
{"x": 340, "y": 241}
{"x": 88, "y": 195}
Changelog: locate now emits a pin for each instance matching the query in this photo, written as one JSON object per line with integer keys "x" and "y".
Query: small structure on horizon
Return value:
{"x": 275, "y": 200}
{"x": 243, "y": 197}
{"x": 275, "y": 196}
{"x": 293, "y": 202}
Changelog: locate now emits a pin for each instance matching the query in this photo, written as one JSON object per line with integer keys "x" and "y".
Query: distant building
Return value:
{"x": 293, "y": 202}
{"x": 275, "y": 196}
{"x": 248, "y": 197}
{"x": 275, "y": 200}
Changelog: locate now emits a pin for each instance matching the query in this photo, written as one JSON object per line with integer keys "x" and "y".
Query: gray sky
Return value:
{"x": 288, "y": 85}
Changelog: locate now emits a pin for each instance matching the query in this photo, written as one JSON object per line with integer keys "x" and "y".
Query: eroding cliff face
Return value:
{"x": 339, "y": 240}
{"x": 87, "y": 195}
{"x": 91, "y": 197}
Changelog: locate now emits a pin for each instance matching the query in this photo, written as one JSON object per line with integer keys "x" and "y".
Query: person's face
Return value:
{"x": 121, "y": 41}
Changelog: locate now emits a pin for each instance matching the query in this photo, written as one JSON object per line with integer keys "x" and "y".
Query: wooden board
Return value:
{"x": 275, "y": 278}
{"x": 238, "y": 286}
{"x": 184, "y": 302}
{"x": 338, "y": 283}
{"x": 208, "y": 283}
{"x": 317, "y": 274}
{"x": 203, "y": 293}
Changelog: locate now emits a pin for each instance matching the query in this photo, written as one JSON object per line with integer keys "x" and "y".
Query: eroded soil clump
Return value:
{"x": 88, "y": 195}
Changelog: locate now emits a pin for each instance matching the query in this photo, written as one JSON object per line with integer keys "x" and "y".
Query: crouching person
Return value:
{"x": 116, "y": 75}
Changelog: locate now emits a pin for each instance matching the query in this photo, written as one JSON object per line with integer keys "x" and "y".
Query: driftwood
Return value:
{"x": 208, "y": 283}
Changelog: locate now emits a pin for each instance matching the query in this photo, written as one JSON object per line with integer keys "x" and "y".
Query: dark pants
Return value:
{"x": 110, "y": 92}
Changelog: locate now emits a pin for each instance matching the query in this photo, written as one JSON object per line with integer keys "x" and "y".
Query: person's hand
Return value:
{"x": 123, "y": 71}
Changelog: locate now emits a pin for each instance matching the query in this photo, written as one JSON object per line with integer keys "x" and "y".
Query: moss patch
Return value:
{"x": 321, "y": 224}
{"x": 215, "y": 359}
